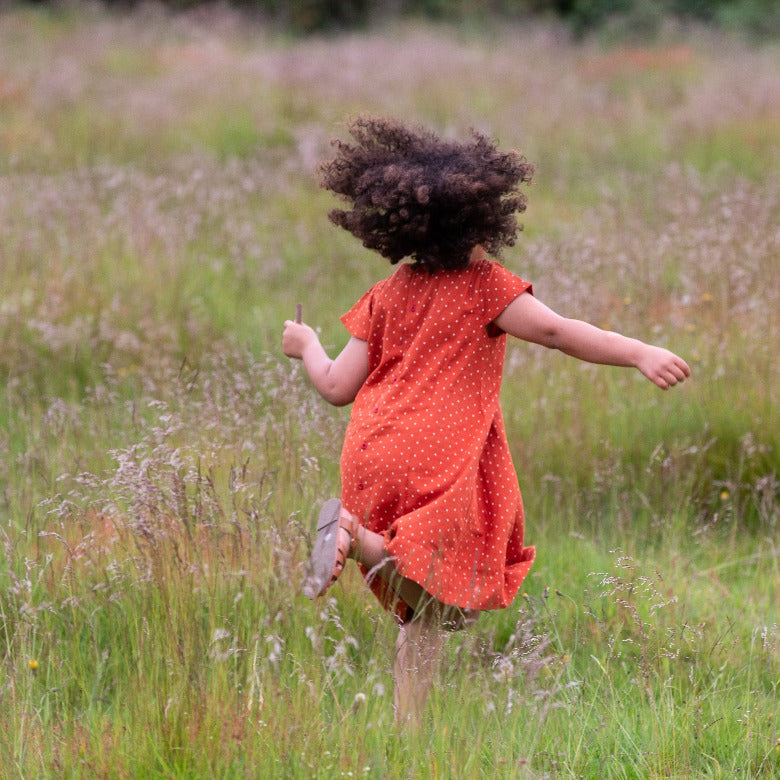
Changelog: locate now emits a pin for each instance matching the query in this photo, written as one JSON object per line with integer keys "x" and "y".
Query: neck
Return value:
{"x": 477, "y": 254}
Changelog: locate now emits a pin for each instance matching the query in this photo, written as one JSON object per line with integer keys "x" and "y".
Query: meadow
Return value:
{"x": 161, "y": 461}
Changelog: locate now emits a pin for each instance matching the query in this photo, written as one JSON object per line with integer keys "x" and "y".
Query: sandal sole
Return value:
{"x": 322, "y": 561}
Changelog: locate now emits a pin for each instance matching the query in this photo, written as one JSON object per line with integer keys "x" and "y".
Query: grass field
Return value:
{"x": 160, "y": 460}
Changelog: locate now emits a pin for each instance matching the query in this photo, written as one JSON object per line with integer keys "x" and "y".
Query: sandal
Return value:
{"x": 328, "y": 557}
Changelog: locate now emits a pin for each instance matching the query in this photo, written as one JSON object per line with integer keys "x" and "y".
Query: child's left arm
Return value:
{"x": 337, "y": 381}
{"x": 530, "y": 320}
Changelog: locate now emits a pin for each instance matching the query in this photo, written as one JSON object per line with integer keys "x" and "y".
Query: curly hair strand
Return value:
{"x": 413, "y": 194}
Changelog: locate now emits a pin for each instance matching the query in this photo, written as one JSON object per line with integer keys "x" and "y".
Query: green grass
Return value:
{"x": 161, "y": 461}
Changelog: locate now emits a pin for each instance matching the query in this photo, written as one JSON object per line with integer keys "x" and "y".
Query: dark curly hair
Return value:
{"x": 416, "y": 195}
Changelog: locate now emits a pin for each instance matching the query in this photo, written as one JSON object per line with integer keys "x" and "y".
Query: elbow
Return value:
{"x": 338, "y": 400}
{"x": 553, "y": 336}
{"x": 338, "y": 386}
{"x": 337, "y": 396}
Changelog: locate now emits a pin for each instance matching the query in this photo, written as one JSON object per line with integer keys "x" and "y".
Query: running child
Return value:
{"x": 430, "y": 506}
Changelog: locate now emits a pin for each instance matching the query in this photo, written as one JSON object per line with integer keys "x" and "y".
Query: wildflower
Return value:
{"x": 725, "y": 495}
{"x": 706, "y": 298}
{"x": 33, "y": 664}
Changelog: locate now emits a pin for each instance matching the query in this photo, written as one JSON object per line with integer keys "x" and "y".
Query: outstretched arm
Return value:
{"x": 337, "y": 381}
{"x": 530, "y": 320}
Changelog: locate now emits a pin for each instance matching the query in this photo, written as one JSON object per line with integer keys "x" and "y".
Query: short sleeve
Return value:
{"x": 358, "y": 319}
{"x": 499, "y": 288}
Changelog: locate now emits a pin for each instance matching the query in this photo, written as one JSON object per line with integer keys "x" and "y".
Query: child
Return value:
{"x": 430, "y": 505}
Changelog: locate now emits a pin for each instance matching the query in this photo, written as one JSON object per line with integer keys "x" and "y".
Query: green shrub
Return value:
{"x": 631, "y": 18}
{"x": 312, "y": 15}
{"x": 759, "y": 18}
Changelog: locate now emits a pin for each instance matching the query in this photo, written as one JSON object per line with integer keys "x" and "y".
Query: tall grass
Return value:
{"x": 161, "y": 461}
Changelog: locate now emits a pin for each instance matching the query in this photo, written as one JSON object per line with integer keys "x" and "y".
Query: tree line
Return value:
{"x": 757, "y": 18}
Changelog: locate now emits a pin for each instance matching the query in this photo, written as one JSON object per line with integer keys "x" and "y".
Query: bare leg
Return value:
{"x": 420, "y": 640}
{"x": 369, "y": 550}
{"x": 417, "y": 654}
{"x": 419, "y": 644}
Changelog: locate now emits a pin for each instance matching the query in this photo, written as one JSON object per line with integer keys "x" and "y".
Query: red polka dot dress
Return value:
{"x": 425, "y": 458}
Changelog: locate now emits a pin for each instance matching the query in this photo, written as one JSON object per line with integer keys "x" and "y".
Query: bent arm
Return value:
{"x": 528, "y": 319}
{"x": 337, "y": 381}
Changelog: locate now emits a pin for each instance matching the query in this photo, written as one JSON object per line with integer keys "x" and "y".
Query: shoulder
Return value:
{"x": 382, "y": 291}
{"x": 486, "y": 266}
{"x": 382, "y": 285}
{"x": 398, "y": 280}
{"x": 488, "y": 273}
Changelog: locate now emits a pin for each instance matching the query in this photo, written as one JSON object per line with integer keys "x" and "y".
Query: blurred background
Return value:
{"x": 161, "y": 461}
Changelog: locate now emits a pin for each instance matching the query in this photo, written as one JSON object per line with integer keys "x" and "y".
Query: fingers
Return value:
{"x": 667, "y": 370}
{"x": 669, "y": 380}
{"x": 295, "y": 337}
{"x": 680, "y": 368}
{"x": 672, "y": 377}
{"x": 676, "y": 372}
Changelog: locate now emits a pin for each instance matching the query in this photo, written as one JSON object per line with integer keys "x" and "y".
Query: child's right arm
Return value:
{"x": 528, "y": 319}
{"x": 337, "y": 381}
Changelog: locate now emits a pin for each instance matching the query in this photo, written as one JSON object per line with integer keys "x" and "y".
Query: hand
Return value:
{"x": 296, "y": 337}
{"x": 662, "y": 367}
